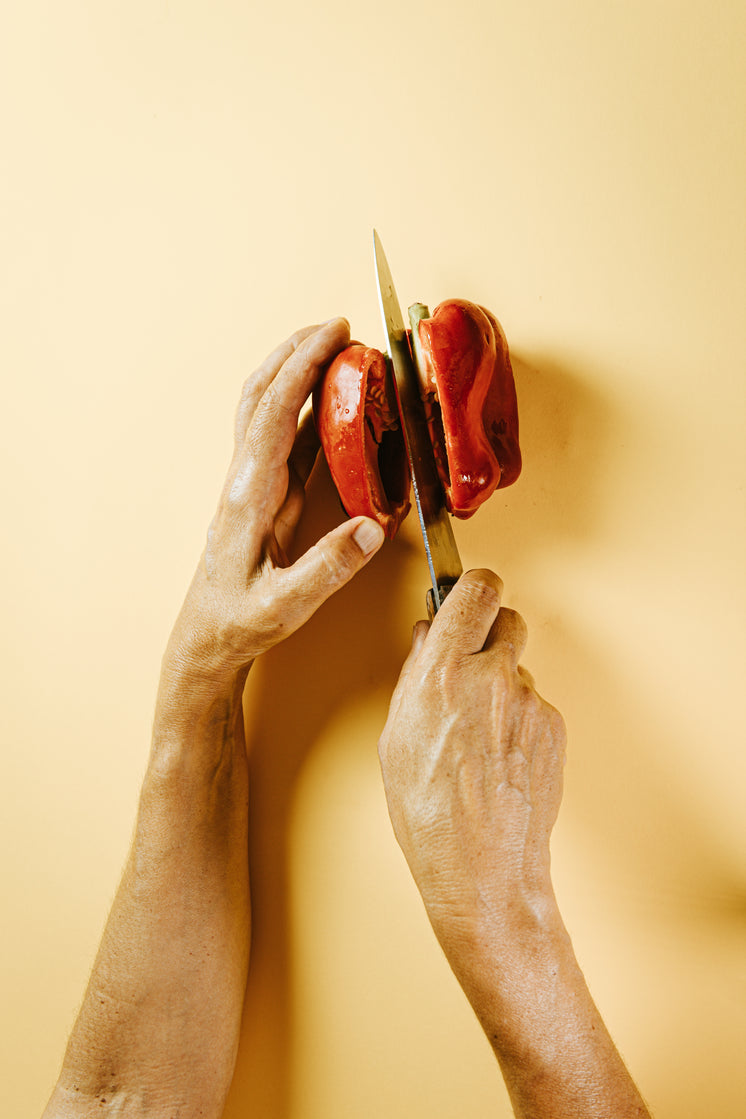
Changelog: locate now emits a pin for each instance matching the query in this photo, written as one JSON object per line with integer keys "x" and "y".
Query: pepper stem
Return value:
{"x": 418, "y": 312}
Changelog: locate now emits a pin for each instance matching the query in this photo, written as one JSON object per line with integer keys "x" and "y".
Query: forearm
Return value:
{"x": 158, "y": 1029}
{"x": 530, "y": 996}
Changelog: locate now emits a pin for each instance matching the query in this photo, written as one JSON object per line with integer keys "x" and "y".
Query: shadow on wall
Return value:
{"x": 621, "y": 800}
{"x": 558, "y": 499}
{"x": 576, "y": 445}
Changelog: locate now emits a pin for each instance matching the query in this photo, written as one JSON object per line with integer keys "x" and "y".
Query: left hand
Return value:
{"x": 246, "y": 596}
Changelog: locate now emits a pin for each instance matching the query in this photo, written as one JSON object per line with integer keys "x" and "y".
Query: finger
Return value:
{"x": 259, "y": 468}
{"x": 305, "y": 447}
{"x": 300, "y": 464}
{"x": 287, "y": 519}
{"x": 271, "y": 432}
{"x": 508, "y": 635}
{"x": 419, "y": 633}
{"x": 465, "y": 619}
{"x": 301, "y": 589}
{"x": 256, "y": 385}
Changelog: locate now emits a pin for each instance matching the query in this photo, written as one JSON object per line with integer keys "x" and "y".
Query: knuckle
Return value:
{"x": 340, "y": 561}
{"x": 235, "y": 497}
{"x": 484, "y": 584}
{"x": 513, "y": 631}
{"x": 299, "y": 336}
{"x": 269, "y": 409}
{"x": 515, "y": 620}
{"x": 473, "y": 597}
{"x": 248, "y": 392}
{"x": 268, "y": 621}
{"x": 246, "y": 405}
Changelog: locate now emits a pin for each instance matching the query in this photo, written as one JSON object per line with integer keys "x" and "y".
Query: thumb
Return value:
{"x": 326, "y": 567}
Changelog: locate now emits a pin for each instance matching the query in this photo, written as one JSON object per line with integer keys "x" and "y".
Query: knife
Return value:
{"x": 442, "y": 555}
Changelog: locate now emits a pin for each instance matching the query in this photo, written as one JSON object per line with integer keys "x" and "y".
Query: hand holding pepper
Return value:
{"x": 246, "y": 595}
{"x": 466, "y": 384}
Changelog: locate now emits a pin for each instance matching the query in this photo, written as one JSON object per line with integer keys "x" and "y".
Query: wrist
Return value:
{"x": 492, "y": 948}
{"x": 198, "y": 717}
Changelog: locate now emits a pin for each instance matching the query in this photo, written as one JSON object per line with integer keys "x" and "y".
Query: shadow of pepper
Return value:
{"x": 558, "y": 497}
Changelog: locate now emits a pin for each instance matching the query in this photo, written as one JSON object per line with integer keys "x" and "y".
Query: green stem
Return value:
{"x": 418, "y": 312}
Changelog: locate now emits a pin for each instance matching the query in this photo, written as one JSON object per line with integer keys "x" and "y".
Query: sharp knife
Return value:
{"x": 443, "y": 559}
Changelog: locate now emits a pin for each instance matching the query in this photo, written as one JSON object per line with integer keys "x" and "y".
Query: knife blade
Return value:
{"x": 443, "y": 559}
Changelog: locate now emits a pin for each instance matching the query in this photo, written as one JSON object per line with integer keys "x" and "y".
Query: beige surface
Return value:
{"x": 183, "y": 185}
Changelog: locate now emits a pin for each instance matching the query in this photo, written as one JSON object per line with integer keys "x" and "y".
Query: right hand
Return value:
{"x": 472, "y": 762}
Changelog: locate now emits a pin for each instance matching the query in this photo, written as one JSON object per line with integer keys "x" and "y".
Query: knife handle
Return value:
{"x": 443, "y": 590}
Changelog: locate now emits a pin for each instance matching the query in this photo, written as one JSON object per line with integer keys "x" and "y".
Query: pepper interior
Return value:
{"x": 382, "y": 422}
{"x": 437, "y": 435}
{"x": 392, "y": 464}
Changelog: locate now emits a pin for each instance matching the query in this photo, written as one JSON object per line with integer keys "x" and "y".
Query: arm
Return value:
{"x": 158, "y": 1029}
{"x": 472, "y": 763}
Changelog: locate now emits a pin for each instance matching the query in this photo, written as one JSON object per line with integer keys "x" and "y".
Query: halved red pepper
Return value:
{"x": 358, "y": 425}
{"x": 467, "y": 387}
{"x": 469, "y": 395}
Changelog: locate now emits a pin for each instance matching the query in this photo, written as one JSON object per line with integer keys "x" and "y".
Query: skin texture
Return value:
{"x": 472, "y": 763}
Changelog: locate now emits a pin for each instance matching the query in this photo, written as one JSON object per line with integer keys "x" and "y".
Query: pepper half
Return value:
{"x": 466, "y": 383}
{"x": 467, "y": 387}
{"x": 358, "y": 425}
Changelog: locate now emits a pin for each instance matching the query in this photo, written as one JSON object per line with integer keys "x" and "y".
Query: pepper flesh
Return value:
{"x": 467, "y": 387}
{"x": 358, "y": 425}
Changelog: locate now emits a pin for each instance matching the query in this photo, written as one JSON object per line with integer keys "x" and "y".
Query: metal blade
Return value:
{"x": 443, "y": 559}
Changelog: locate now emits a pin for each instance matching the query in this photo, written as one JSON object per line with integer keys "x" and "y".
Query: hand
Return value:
{"x": 246, "y": 595}
{"x": 472, "y": 763}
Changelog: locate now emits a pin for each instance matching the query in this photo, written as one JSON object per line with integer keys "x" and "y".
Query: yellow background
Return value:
{"x": 183, "y": 185}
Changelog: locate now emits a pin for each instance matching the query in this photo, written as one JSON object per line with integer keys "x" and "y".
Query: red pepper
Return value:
{"x": 358, "y": 425}
{"x": 469, "y": 396}
{"x": 470, "y": 401}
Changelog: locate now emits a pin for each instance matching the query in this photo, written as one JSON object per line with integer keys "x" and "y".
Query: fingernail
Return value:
{"x": 368, "y": 536}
